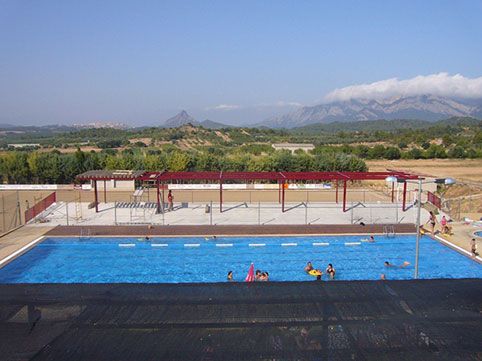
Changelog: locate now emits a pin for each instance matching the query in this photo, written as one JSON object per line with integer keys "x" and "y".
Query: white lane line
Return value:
{"x": 321, "y": 244}
{"x": 352, "y": 243}
{"x": 257, "y": 244}
{"x": 159, "y": 245}
{"x": 289, "y": 244}
{"x": 224, "y": 244}
{"x": 14, "y": 254}
{"x": 127, "y": 244}
{"x": 192, "y": 244}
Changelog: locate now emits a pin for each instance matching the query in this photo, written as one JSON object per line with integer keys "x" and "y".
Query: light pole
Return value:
{"x": 446, "y": 181}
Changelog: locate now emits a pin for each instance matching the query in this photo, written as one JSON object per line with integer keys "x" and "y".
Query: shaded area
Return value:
{"x": 201, "y": 230}
{"x": 391, "y": 320}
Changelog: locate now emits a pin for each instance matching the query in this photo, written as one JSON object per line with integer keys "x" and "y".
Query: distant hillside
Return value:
{"x": 209, "y": 124}
{"x": 424, "y": 107}
{"x": 383, "y": 125}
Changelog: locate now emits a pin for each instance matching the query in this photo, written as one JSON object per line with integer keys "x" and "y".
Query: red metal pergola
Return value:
{"x": 282, "y": 178}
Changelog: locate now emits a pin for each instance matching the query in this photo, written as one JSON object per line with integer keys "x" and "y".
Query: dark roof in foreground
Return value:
{"x": 381, "y": 320}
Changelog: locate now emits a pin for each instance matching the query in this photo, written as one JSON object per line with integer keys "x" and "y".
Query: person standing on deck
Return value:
{"x": 170, "y": 201}
{"x": 473, "y": 247}
{"x": 432, "y": 220}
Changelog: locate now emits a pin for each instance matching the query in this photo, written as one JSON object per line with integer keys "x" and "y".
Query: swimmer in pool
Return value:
{"x": 230, "y": 275}
{"x": 330, "y": 271}
{"x": 403, "y": 265}
{"x": 257, "y": 275}
{"x": 308, "y": 267}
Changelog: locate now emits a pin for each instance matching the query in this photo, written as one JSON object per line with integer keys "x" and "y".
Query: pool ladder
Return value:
{"x": 85, "y": 233}
{"x": 389, "y": 231}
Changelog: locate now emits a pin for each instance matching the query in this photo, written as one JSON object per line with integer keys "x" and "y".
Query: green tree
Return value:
{"x": 178, "y": 161}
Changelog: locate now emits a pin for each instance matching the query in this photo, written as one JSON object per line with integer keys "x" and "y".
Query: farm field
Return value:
{"x": 469, "y": 170}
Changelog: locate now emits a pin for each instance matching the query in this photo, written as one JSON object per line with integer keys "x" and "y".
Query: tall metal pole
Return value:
{"x": 4, "y": 227}
{"x": 417, "y": 243}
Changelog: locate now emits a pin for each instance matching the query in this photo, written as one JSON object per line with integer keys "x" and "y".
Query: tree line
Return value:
{"x": 56, "y": 167}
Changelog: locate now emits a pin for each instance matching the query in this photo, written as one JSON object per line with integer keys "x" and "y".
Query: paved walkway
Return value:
{"x": 19, "y": 241}
{"x": 460, "y": 238}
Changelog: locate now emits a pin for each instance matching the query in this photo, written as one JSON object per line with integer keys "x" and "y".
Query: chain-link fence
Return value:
{"x": 232, "y": 213}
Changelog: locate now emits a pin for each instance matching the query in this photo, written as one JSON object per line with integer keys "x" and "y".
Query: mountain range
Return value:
{"x": 183, "y": 118}
{"x": 423, "y": 107}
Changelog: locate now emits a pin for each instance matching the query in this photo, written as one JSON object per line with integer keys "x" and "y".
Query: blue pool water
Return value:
{"x": 102, "y": 260}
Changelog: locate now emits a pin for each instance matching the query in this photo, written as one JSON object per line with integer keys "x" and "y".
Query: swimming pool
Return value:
{"x": 173, "y": 260}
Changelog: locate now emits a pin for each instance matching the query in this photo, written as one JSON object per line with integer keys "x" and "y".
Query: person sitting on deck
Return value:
{"x": 308, "y": 267}
{"x": 403, "y": 265}
{"x": 230, "y": 275}
{"x": 330, "y": 271}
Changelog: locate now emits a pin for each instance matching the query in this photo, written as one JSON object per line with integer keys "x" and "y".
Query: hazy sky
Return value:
{"x": 232, "y": 61}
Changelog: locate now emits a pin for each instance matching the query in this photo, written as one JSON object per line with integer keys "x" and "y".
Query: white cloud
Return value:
{"x": 224, "y": 107}
{"x": 441, "y": 84}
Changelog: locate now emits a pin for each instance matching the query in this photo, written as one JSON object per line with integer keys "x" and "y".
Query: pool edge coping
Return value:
{"x": 19, "y": 252}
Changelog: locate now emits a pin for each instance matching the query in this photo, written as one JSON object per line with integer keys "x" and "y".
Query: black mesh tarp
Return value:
{"x": 391, "y": 320}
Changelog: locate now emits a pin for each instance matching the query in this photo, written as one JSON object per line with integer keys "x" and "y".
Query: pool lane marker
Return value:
{"x": 127, "y": 244}
{"x": 257, "y": 244}
{"x": 19, "y": 251}
{"x": 289, "y": 244}
{"x": 192, "y": 244}
{"x": 321, "y": 244}
{"x": 352, "y": 243}
{"x": 159, "y": 245}
{"x": 224, "y": 244}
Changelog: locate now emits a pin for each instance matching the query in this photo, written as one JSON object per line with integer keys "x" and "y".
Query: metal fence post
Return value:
{"x": 211, "y": 213}
{"x": 115, "y": 213}
{"x": 3, "y": 214}
{"x": 67, "y": 212}
{"x": 259, "y": 213}
{"x": 396, "y": 212}
{"x": 306, "y": 212}
{"x": 351, "y": 213}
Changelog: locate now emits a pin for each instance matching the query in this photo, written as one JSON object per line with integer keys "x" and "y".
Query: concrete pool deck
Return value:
{"x": 378, "y": 320}
{"x": 233, "y": 213}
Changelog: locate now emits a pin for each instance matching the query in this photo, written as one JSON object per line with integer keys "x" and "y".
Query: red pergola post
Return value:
{"x": 344, "y": 196}
{"x": 283, "y": 197}
{"x": 158, "y": 197}
{"x": 336, "y": 200}
{"x": 96, "y": 200}
{"x": 221, "y": 196}
{"x": 404, "y": 195}
{"x": 393, "y": 190}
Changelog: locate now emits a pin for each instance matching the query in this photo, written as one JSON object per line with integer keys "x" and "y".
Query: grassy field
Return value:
{"x": 469, "y": 170}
